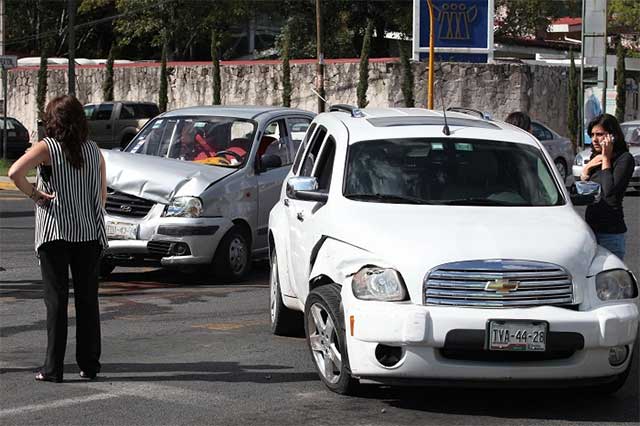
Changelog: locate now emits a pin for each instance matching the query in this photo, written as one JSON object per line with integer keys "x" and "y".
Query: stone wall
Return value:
{"x": 494, "y": 88}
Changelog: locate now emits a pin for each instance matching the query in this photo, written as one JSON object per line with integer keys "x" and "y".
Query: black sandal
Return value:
{"x": 41, "y": 377}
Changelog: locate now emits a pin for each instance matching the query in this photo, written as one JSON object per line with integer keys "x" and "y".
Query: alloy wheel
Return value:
{"x": 273, "y": 285}
{"x": 324, "y": 343}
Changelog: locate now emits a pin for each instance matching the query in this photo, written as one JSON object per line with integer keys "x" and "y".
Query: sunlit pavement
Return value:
{"x": 191, "y": 350}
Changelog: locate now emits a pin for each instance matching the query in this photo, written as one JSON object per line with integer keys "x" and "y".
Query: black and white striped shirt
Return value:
{"x": 76, "y": 213}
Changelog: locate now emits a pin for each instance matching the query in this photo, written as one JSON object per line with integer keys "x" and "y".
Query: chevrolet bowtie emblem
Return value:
{"x": 501, "y": 285}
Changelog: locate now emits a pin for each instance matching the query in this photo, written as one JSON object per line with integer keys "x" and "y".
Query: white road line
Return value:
{"x": 56, "y": 404}
{"x": 110, "y": 390}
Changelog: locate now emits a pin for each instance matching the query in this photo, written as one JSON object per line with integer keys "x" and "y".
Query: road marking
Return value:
{"x": 226, "y": 326}
{"x": 7, "y": 185}
{"x": 55, "y": 404}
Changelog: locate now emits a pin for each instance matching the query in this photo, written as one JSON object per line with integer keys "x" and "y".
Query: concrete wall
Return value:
{"x": 497, "y": 89}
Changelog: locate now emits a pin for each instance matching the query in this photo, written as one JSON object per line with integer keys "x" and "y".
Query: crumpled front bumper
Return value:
{"x": 421, "y": 332}
{"x": 156, "y": 240}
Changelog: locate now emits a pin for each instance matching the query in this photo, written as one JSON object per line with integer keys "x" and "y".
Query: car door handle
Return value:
{"x": 286, "y": 202}
{"x": 300, "y": 216}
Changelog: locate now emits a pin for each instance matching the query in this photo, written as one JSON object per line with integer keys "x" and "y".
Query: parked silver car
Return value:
{"x": 196, "y": 185}
{"x": 558, "y": 147}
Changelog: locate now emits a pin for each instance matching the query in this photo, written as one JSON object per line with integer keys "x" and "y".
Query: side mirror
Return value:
{"x": 306, "y": 189}
{"x": 270, "y": 161}
{"x": 585, "y": 193}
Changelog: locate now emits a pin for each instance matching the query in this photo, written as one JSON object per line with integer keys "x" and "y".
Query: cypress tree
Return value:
{"x": 107, "y": 88}
{"x": 41, "y": 95}
{"x": 286, "y": 68}
{"x": 215, "y": 59}
{"x": 573, "y": 121}
{"x": 407, "y": 76}
{"x": 363, "y": 80}
{"x": 162, "y": 95}
{"x": 621, "y": 94}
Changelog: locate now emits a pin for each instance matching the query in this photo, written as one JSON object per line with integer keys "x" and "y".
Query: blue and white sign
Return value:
{"x": 463, "y": 30}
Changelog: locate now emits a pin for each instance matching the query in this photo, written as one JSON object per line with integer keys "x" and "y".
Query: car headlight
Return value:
{"x": 616, "y": 284}
{"x": 578, "y": 160}
{"x": 373, "y": 283}
{"x": 184, "y": 207}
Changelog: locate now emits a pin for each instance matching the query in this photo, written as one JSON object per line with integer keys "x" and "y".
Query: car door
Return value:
{"x": 274, "y": 140}
{"x": 101, "y": 126}
{"x": 304, "y": 216}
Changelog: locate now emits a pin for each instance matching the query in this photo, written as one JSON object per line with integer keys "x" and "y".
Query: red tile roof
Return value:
{"x": 567, "y": 21}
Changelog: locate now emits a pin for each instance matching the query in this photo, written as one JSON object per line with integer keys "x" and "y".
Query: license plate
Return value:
{"x": 121, "y": 230}
{"x": 517, "y": 335}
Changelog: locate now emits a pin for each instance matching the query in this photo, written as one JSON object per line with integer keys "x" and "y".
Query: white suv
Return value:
{"x": 422, "y": 251}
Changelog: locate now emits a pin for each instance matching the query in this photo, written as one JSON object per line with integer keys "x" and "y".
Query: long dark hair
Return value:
{"x": 519, "y": 119}
{"x": 610, "y": 124}
{"x": 64, "y": 120}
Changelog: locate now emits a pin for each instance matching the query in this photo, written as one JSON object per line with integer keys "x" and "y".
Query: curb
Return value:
{"x": 8, "y": 186}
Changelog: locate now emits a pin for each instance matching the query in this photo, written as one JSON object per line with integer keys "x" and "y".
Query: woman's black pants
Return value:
{"x": 55, "y": 259}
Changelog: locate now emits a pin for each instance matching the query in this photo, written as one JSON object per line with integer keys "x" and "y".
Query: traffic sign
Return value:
{"x": 8, "y": 61}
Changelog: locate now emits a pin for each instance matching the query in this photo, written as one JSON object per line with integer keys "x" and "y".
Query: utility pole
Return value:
{"x": 320, "y": 54}
{"x": 4, "y": 83}
{"x": 71, "y": 10}
{"x": 431, "y": 55}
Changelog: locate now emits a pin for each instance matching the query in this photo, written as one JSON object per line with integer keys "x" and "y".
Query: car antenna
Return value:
{"x": 445, "y": 129}
{"x": 323, "y": 99}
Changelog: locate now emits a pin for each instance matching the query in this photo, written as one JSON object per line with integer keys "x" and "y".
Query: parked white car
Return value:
{"x": 424, "y": 253}
{"x": 631, "y": 130}
{"x": 559, "y": 148}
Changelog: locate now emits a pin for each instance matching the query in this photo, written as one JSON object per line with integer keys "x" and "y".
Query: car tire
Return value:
{"x": 326, "y": 338}
{"x": 105, "y": 268}
{"x": 125, "y": 141}
{"x": 232, "y": 260}
{"x": 284, "y": 321}
{"x": 562, "y": 168}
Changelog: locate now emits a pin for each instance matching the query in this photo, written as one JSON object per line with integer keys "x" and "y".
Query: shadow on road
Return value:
{"x": 231, "y": 372}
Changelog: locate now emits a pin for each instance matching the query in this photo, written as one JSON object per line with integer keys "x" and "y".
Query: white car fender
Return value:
{"x": 339, "y": 260}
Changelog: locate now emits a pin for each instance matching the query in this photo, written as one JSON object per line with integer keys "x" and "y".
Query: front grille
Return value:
{"x": 159, "y": 248}
{"x": 122, "y": 204}
{"x": 515, "y": 283}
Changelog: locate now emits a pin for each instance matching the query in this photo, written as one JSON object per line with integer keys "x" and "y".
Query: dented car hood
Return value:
{"x": 159, "y": 179}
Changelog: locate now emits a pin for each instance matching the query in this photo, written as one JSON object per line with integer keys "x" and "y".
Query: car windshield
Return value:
{"x": 631, "y": 134}
{"x": 449, "y": 172}
{"x": 220, "y": 141}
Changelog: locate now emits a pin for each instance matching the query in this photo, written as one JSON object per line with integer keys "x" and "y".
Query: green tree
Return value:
{"x": 531, "y": 17}
{"x": 573, "y": 119}
{"x": 163, "y": 98}
{"x": 107, "y": 87}
{"x": 363, "y": 80}
{"x": 407, "y": 75}
{"x": 286, "y": 67}
{"x": 41, "y": 95}
{"x": 217, "y": 83}
{"x": 625, "y": 14}
{"x": 621, "y": 93}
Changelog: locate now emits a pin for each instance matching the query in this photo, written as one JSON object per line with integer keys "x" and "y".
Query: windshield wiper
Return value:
{"x": 389, "y": 198}
{"x": 475, "y": 202}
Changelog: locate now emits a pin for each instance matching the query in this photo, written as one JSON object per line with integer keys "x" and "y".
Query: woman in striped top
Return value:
{"x": 69, "y": 231}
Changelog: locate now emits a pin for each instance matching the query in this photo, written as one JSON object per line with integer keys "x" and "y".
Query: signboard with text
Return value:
{"x": 8, "y": 61}
{"x": 463, "y": 30}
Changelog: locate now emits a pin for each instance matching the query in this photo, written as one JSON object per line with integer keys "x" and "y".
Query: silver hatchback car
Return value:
{"x": 196, "y": 185}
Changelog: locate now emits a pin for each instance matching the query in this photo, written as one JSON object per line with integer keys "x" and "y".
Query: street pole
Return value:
{"x": 71, "y": 9}
{"x": 4, "y": 84}
{"x": 431, "y": 55}
{"x": 320, "y": 65}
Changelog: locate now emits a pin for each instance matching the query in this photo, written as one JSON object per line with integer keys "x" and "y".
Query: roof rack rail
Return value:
{"x": 470, "y": 111}
{"x": 354, "y": 111}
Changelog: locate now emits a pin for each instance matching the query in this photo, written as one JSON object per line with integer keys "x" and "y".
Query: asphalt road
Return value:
{"x": 200, "y": 352}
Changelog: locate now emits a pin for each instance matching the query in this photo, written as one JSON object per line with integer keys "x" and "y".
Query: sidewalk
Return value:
{"x": 7, "y": 184}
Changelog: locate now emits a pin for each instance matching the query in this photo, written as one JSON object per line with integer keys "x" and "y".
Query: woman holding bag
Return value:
{"x": 69, "y": 231}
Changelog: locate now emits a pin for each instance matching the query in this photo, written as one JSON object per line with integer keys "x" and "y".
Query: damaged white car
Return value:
{"x": 195, "y": 187}
{"x": 431, "y": 250}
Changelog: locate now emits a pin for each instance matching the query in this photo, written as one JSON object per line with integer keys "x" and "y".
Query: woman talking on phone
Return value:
{"x": 69, "y": 231}
{"x": 611, "y": 165}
